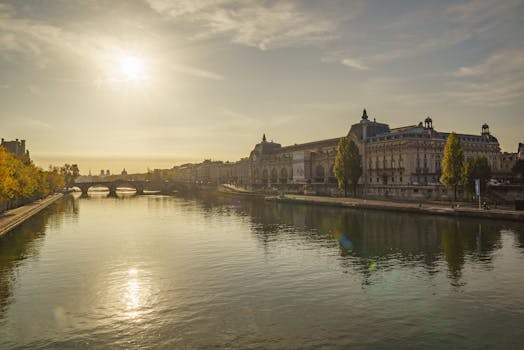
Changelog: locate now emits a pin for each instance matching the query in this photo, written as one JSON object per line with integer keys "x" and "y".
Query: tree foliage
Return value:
{"x": 355, "y": 165}
{"x": 476, "y": 168}
{"x": 348, "y": 165}
{"x": 21, "y": 181}
{"x": 452, "y": 163}
{"x": 341, "y": 167}
{"x": 70, "y": 173}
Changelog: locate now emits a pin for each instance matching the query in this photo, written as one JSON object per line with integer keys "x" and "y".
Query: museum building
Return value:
{"x": 397, "y": 162}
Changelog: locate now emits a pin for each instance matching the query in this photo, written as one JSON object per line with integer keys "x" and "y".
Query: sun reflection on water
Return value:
{"x": 135, "y": 294}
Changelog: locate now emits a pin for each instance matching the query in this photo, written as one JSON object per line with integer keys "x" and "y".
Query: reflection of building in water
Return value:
{"x": 397, "y": 162}
{"x": 389, "y": 239}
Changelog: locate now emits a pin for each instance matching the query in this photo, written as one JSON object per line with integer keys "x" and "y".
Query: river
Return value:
{"x": 210, "y": 271}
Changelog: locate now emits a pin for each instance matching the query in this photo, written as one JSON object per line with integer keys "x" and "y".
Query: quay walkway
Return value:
{"x": 432, "y": 208}
{"x": 14, "y": 217}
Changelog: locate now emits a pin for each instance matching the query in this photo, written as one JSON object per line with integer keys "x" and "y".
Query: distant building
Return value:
{"x": 520, "y": 152}
{"x": 17, "y": 147}
{"x": 124, "y": 172}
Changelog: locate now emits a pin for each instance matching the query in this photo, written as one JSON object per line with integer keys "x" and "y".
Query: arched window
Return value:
{"x": 264, "y": 176}
{"x": 332, "y": 177}
{"x": 283, "y": 175}
{"x": 319, "y": 173}
{"x": 274, "y": 175}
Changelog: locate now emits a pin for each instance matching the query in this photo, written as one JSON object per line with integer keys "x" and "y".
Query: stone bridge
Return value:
{"x": 165, "y": 187}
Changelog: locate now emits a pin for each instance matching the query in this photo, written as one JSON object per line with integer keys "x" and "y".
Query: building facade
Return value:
{"x": 403, "y": 162}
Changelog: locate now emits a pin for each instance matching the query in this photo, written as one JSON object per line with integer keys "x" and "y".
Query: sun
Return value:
{"x": 126, "y": 68}
{"x": 132, "y": 68}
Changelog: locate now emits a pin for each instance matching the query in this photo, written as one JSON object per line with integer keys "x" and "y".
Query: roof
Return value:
{"x": 308, "y": 145}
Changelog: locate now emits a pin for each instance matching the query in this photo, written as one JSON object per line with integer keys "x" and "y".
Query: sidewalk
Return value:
{"x": 14, "y": 217}
{"x": 422, "y": 208}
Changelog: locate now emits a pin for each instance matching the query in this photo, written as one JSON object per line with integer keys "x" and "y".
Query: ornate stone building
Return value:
{"x": 398, "y": 162}
{"x": 17, "y": 147}
{"x": 402, "y": 162}
{"x": 270, "y": 163}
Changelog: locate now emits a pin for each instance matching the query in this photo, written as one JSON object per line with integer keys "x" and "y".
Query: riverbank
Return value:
{"x": 14, "y": 217}
{"x": 409, "y": 207}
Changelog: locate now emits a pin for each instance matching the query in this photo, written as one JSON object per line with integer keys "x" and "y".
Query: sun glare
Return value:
{"x": 132, "y": 67}
{"x": 127, "y": 68}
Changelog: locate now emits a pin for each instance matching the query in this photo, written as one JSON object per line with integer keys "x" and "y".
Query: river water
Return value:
{"x": 206, "y": 271}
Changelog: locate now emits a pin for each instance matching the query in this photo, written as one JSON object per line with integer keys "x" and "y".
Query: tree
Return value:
{"x": 476, "y": 168}
{"x": 355, "y": 165}
{"x": 70, "y": 173}
{"x": 8, "y": 183}
{"x": 452, "y": 163}
{"x": 348, "y": 165}
{"x": 341, "y": 168}
{"x": 21, "y": 181}
{"x": 54, "y": 179}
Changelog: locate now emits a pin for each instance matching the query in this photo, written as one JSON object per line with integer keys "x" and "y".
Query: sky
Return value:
{"x": 154, "y": 83}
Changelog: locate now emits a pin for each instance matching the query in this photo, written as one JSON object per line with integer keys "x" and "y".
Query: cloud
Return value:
{"x": 478, "y": 11}
{"x": 428, "y": 28}
{"x": 265, "y": 25}
{"x": 504, "y": 63}
{"x": 355, "y": 64}
{"x": 37, "y": 124}
{"x": 498, "y": 80}
{"x": 197, "y": 72}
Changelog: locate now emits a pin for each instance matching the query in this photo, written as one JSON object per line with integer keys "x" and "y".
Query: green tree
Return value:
{"x": 348, "y": 165}
{"x": 452, "y": 163}
{"x": 341, "y": 167}
{"x": 355, "y": 165}
{"x": 476, "y": 168}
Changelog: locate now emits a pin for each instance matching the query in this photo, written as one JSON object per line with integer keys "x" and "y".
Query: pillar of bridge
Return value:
{"x": 84, "y": 189}
{"x": 139, "y": 190}
{"x": 112, "y": 190}
{"x": 166, "y": 190}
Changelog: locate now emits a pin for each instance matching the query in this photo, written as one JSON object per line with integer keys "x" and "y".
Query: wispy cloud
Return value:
{"x": 355, "y": 64}
{"x": 429, "y": 28}
{"x": 499, "y": 64}
{"x": 37, "y": 124}
{"x": 477, "y": 11}
{"x": 498, "y": 80}
{"x": 197, "y": 72}
{"x": 265, "y": 25}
